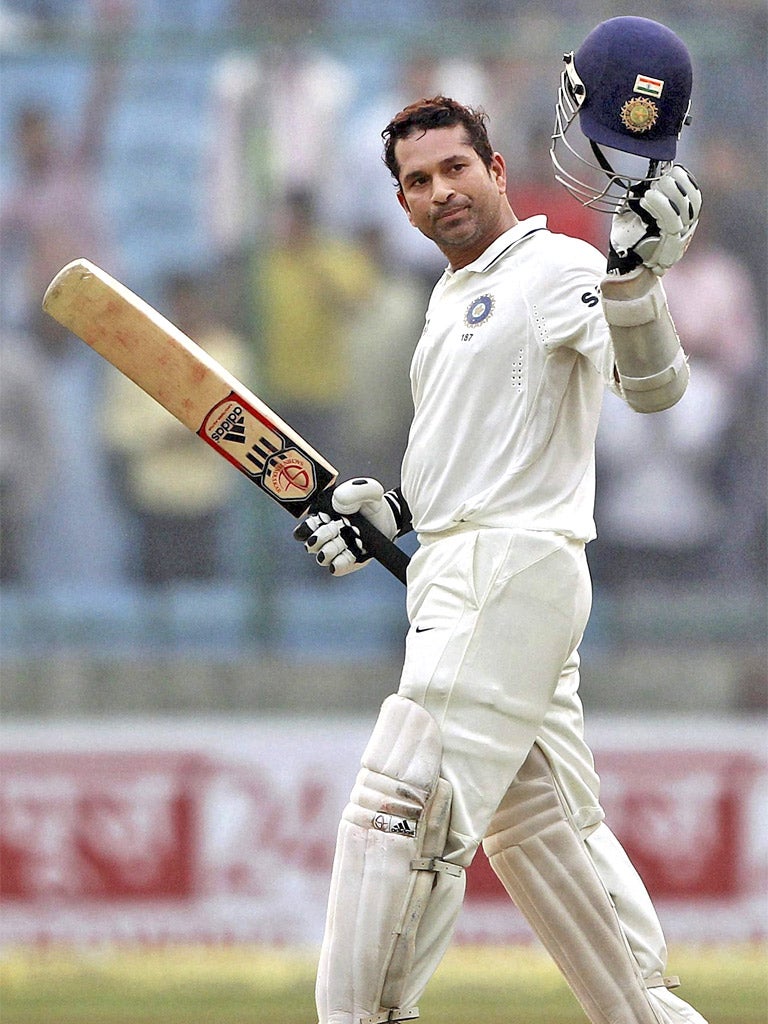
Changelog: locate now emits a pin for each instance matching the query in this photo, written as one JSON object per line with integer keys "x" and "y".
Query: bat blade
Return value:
{"x": 176, "y": 372}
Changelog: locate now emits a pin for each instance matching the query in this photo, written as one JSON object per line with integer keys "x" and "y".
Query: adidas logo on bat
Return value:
{"x": 232, "y": 428}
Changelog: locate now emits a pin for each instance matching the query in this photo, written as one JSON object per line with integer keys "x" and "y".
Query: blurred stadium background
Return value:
{"x": 183, "y": 699}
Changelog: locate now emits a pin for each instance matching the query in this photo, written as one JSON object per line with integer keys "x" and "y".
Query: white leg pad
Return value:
{"x": 546, "y": 868}
{"x": 388, "y": 856}
{"x": 640, "y": 925}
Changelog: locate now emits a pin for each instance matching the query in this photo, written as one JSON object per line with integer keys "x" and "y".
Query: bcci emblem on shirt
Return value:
{"x": 479, "y": 310}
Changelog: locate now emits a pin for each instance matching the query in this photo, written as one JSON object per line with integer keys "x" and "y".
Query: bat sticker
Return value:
{"x": 252, "y": 444}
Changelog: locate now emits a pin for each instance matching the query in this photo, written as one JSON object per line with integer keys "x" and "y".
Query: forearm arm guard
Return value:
{"x": 651, "y": 366}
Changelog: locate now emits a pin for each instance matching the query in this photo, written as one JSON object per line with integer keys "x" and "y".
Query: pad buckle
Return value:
{"x": 435, "y": 864}
{"x": 660, "y": 981}
{"x": 386, "y": 1016}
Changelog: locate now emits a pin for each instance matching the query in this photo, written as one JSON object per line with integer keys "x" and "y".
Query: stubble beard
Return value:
{"x": 458, "y": 234}
{"x": 476, "y": 226}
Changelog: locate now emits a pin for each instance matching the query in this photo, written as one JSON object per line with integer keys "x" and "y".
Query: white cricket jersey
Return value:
{"x": 507, "y": 379}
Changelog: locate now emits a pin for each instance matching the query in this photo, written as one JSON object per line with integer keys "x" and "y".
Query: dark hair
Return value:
{"x": 437, "y": 112}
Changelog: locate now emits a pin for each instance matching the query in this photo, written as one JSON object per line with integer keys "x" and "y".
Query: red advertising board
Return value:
{"x": 197, "y": 834}
{"x": 683, "y": 819}
{"x": 99, "y": 826}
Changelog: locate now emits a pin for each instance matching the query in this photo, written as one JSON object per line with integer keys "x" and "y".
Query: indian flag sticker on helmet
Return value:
{"x": 649, "y": 86}
{"x": 639, "y": 114}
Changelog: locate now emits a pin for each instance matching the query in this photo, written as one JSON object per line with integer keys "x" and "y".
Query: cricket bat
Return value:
{"x": 203, "y": 395}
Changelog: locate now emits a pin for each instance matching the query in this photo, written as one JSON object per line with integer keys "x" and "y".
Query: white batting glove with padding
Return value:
{"x": 655, "y": 227}
{"x": 335, "y": 541}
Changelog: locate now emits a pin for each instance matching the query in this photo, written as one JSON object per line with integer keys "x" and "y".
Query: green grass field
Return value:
{"x": 242, "y": 985}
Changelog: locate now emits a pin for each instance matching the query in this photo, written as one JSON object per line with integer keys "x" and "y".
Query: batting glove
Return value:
{"x": 655, "y": 227}
{"x": 334, "y": 540}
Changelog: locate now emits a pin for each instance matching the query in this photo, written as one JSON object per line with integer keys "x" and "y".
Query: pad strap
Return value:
{"x": 662, "y": 981}
{"x": 435, "y": 864}
{"x": 658, "y": 379}
{"x": 391, "y": 1016}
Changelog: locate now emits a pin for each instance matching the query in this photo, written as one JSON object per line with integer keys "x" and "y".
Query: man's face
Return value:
{"x": 450, "y": 195}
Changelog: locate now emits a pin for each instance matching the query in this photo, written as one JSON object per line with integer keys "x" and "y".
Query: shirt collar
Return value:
{"x": 505, "y": 241}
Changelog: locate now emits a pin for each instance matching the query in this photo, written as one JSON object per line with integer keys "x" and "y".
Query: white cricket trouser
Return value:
{"x": 496, "y": 618}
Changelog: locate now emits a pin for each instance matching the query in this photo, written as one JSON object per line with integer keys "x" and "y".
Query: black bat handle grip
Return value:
{"x": 376, "y": 544}
{"x": 381, "y": 548}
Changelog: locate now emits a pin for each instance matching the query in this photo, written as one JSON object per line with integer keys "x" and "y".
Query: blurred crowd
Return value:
{"x": 283, "y": 252}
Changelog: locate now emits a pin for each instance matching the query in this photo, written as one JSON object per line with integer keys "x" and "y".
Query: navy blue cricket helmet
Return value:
{"x": 637, "y": 77}
{"x": 630, "y": 85}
